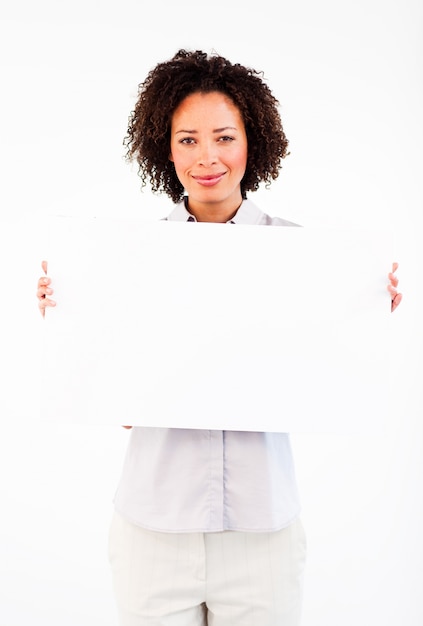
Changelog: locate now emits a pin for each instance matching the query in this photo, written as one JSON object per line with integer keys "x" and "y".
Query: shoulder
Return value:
{"x": 180, "y": 212}
{"x": 249, "y": 213}
{"x": 277, "y": 221}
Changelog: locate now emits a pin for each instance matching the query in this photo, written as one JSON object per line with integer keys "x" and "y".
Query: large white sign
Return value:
{"x": 216, "y": 326}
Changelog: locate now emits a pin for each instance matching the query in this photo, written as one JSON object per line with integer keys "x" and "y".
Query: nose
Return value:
{"x": 207, "y": 154}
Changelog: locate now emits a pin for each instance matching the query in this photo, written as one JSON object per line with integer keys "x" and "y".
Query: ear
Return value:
{"x": 170, "y": 157}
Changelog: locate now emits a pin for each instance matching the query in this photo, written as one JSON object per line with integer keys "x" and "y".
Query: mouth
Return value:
{"x": 209, "y": 180}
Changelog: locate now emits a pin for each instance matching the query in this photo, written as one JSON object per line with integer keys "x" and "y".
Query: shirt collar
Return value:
{"x": 248, "y": 213}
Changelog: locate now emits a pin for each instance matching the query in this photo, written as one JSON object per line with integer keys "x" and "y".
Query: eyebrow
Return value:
{"x": 216, "y": 130}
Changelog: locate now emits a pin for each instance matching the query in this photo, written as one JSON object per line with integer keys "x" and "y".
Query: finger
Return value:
{"x": 44, "y": 287}
{"x": 44, "y": 303}
{"x": 394, "y": 267}
{"x": 394, "y": 280}
{"x": 44, "y": 282}
{"x": 392, "y": 291}
{"x": 395, "y": 296}
{"x": 396, "y": 301}
{"x": 126, "y": 426}
{"x": 44, "y": 266}
{"x": 43, "y": 293}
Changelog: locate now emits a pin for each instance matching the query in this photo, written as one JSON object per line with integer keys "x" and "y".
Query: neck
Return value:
{"x": 211, "y": 212}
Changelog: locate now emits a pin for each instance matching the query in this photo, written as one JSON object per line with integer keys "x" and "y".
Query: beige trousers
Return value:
{"x": 214, "y": 579}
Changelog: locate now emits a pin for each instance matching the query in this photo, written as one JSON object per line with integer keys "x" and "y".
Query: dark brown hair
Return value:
{"x": 148, "y": 136}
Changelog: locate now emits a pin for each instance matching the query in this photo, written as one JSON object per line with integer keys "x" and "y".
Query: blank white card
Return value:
{"x": 213, "y": 326}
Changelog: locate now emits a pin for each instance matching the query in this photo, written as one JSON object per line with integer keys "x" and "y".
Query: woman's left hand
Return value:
{"x": 392, "y": 287}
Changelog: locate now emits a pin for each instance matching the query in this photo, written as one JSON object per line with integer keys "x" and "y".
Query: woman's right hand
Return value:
{"x": 44, "y": 290}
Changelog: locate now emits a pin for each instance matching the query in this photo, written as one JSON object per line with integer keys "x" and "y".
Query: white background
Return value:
{"x": 349, "y": 79}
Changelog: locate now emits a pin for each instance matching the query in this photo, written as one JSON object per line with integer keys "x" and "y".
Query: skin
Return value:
{"x": 392, "y": 288}
{"x": 208, "y": 148}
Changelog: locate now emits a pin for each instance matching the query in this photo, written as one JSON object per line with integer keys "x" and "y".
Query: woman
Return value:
{"x": 206, "y": 527}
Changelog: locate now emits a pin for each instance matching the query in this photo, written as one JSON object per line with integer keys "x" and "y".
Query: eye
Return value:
{"x": 226, "y": 139}
{"x": 187, "y": 140}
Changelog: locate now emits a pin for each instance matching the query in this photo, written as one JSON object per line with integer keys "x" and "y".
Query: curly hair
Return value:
{"x": 168, "y": 84}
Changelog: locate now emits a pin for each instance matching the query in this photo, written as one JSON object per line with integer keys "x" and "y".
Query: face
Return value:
{"x": 208, "y": 147}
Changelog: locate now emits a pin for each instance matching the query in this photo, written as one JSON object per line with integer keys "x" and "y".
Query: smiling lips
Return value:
{"x": 209, "y": 181}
